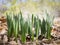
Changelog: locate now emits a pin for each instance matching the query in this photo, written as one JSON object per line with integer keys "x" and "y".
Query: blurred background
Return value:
{"x": 36, "y": 7}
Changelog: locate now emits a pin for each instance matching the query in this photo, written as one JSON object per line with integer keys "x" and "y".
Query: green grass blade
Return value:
{"x": 43, "y": 27}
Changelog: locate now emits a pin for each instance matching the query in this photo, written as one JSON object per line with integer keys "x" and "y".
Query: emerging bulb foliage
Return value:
{"x": 18, "y": 26}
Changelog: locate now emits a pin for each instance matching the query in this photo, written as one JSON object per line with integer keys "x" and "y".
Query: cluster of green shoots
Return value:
{"x": 18, "y": 26}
